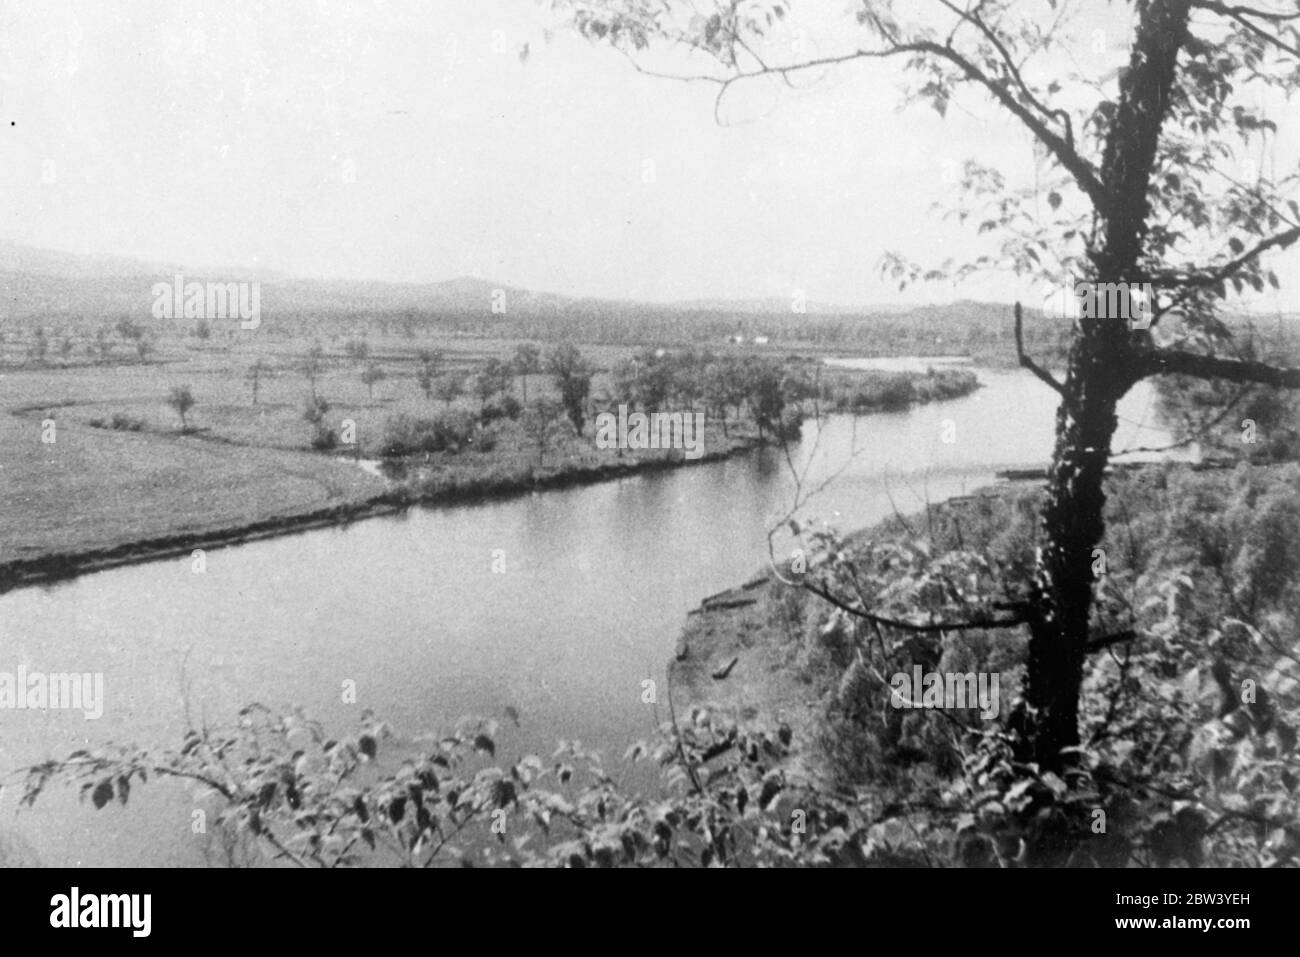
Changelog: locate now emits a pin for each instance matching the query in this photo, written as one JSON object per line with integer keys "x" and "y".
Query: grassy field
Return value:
{"x": 78, "y": 488}
{"x": 93, "y": 488}
{"x": 73, "y": 484}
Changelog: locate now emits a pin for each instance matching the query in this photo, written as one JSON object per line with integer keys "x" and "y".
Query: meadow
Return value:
{"x": 98, "y": 466}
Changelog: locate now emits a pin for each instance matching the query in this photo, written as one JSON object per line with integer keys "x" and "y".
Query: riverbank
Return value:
{"x": 746, "y": 650}
{"x": 1188, "y": 625}
{"x": 439, "y": 486}
{"x": 862, "y": 392}
{"x": 766, "y": 647}
{"x": 99, "y": 477}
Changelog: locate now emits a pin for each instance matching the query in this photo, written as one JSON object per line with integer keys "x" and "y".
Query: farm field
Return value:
{"x": 84, "y": 485}
{"x": 96, "y": 459}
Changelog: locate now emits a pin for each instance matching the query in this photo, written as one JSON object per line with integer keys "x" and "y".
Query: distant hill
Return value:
{"x": 781, "y": 307}
{"x": 34, "y": 281}
{"x": 67, "y": 290}
{"x": 47, "y": 262}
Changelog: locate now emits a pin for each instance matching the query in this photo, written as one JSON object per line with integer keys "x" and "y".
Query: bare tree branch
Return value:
{"x": 908, "y": 626}
{"x": 1239, "y": 11}
{"x": 1059, "y": 146}
{"x": 1239, "y": 14}
{"x": 1013, "y": 70}
{"x": 1201, "y": 280}
{"x": 1196, "y": 433}
{"x": 1176, "y": 362}
{"x": 1029, "y": 363}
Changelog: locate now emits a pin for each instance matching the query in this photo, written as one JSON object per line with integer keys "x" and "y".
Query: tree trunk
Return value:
{"x": 1100, "y": 370}
{"x": 1073, "y": 526}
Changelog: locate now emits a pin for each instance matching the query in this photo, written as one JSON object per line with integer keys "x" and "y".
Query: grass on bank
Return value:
{"x": 120, "y": 470}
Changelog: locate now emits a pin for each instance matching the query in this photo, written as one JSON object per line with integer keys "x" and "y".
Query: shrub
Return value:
{"x": 504, "y": 406}
{"x": 896, "y": 394}
{"x": 120, "y": 422}
{"x": 945, "y": 384}
{"x": 791, "y": 425}
{"x": 315, "y": 410}
{"x": 181, "y": 400}
{"x": 485, "y": 438}
{"x": 409, "y": 435}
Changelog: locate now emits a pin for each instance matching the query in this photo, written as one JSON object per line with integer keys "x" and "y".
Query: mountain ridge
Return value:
{"x": 22, "y": 267}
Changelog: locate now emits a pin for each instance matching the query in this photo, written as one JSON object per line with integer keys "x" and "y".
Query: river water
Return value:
{"x": 417, "y": 611}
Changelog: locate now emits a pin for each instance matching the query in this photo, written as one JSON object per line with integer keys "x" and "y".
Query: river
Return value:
{"x": 417, "y": 611}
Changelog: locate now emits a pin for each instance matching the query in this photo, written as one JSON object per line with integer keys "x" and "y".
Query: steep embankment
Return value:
{"x": 746, "y": 649}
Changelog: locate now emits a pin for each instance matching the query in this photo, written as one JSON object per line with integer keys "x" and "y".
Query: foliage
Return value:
{"x": 503, "y": 406}
{"x": 315, "y": 410}
{"x": 492, "y": 378}
{"x": 543, "y": 424}
{"x": 424, "y": 379}
{"x": 312, "y": 365}
{"x": 40, "y": 345}
{"x": 120, "y": 422}
{"x": 406, "y": 434}
{"x": 766, "y": 395}
{"x": 1253, "y": 422}
{"x": 372, "y": 374}
{"x": 324, "y": 439}
{"x": 450, "y": 387}
{"x": 256, "y": 372}
{"x": 573, "y": 379}
{"x": 527, "y": 361}
{"x": 181, "y": 399}
{"x": 1188, "y": 753}
{"x": 896, "y": 391}
{"x": 129, "y": 330}
{"x": 285, "y": 790}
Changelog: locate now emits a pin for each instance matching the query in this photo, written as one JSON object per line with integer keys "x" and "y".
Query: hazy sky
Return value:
{"x": 408, "y": 141}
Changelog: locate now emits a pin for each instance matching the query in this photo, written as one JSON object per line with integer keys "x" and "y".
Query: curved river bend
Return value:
{"x": 597, "y": 584}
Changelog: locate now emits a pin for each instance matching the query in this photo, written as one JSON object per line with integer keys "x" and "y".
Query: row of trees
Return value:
{"x": 41, "y": 346}
{"x": 495, "y": 376}
{"x": 542, "y": 420}
{"x": 651, "y": 380}
{"x": 655, "y": 379}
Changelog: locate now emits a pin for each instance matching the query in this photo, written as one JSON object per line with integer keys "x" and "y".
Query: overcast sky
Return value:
{"x": 408, "y": 141}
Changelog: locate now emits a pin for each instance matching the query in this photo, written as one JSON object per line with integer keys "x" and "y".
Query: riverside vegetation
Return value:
{"x": 1201, "y": 565}
{"x": 268, "y": 443}
{"x": 1199, "y": 573}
